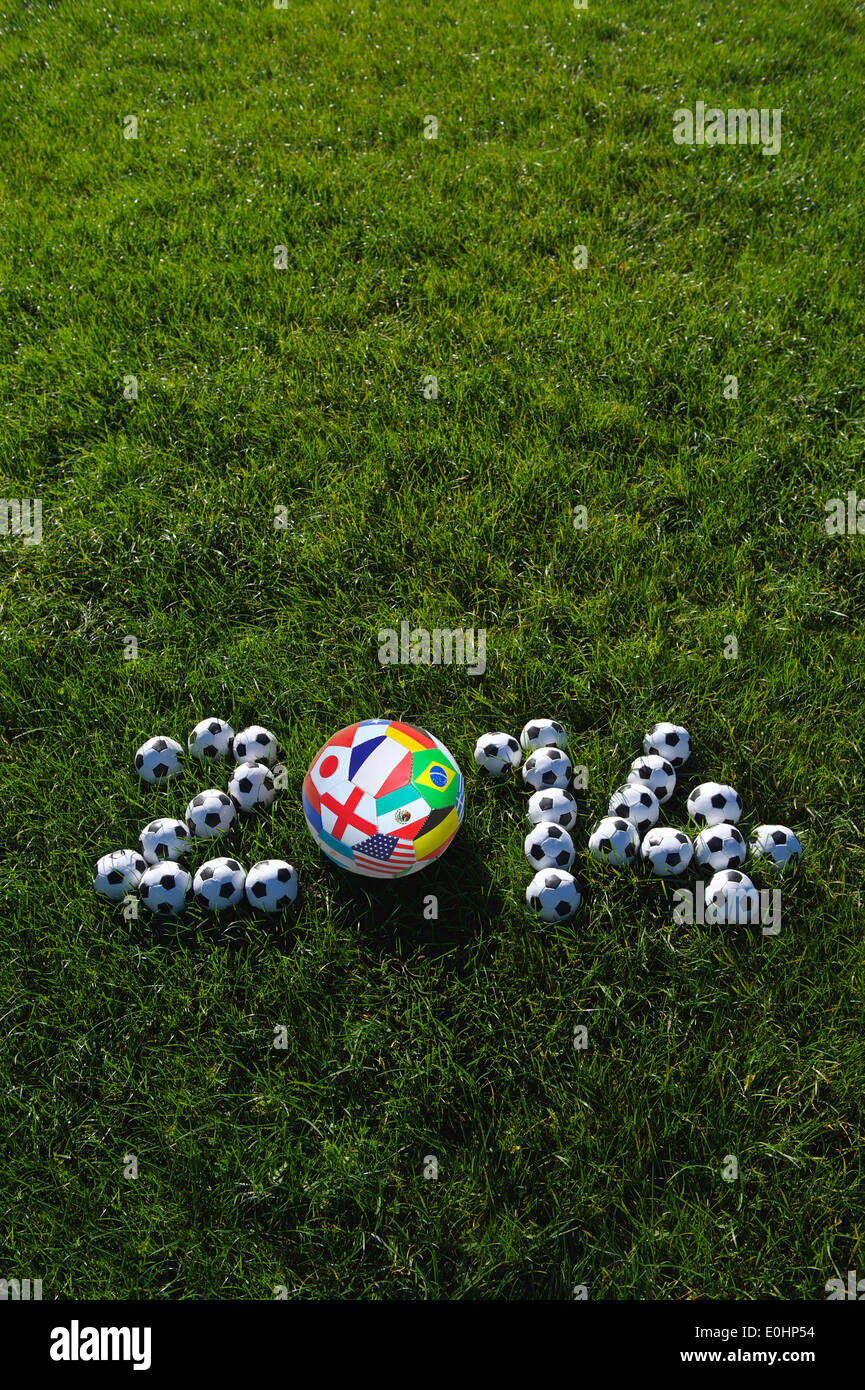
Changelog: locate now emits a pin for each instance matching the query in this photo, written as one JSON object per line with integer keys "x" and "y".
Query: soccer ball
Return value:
{"x": 670, "y": 741}
{"x": 165, "y": 839}
{"x": 118, "y": 873}
{"x": 495, "y": 753}
{"x": 383, "y": 798}
{"x": 720, "y": 847}
{"x": 713, "y": 802}
{"x": 554, "y": 805}
{"x": 656, "y": 773}
{"x": 254, "y": 745}
{"x": 553, "y": 895}
{"x": 549, "y": 767}
{"x": 731, "y": 898}
{"x": 667, "y": 852}
{"x": 218, "y": 884}
{"x": 159, "y": 759}
{"x": 543, "y": 733}
{"x": 637, "y": 804}
{"x": 163, "y": 888}
{"x": 271, "y": 885}
{"x": 251, "y": 785}
{"x": 776, "y": 844}
{"x": 548, "y": 846}
{"x": 210, "y": 740}
{"x": 614, "y": 841}
{"x": 210, "y": 813}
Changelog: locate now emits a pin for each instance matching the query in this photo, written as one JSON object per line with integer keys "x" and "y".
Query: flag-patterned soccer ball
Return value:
{"x": 383, "y": 799}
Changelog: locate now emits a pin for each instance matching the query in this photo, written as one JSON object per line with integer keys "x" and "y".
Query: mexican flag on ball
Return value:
{"x": 383, "y": 799}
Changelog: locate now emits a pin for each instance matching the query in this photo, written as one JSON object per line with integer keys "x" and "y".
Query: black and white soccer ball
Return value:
{"x": 164, "y": 888}
{"x": 210, "y": 813}
{"x": 669, "y": 741}
{"x": 614, "y": 841}
{"x": 159, "y": 759}
{"x": 543, "y": 733}
{"x": 210, "y": 740}
{"x": 553, "y": 805}
{"x": 496, "y": 753}
{"x": 720, "y": 847}
{"x": 271, "y": 885}
{"x": 776, "y": 846}
{"x": 549, "y": 767}
{"x": 656, "y": 773}
{"x": 549, "y": 846}
{"x": 636, "y": 803}
{"x": 251, "y": 786}
{"x": 666, "y": 852}
{"x": 731, "y": 899}
{"x": 553, "y": 895}
{"x": 218, "y": 884}
{"x": 713, "y": 802}
{"x": 165, "y": 838}
{"x": 118, "y": 873}
{"x": 254, "y": 745}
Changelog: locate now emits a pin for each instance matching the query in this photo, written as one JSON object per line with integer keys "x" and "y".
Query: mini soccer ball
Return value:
{"x": 656, "y": 773}
{"x": 713, "y": 802}
{"x": 614, "y": 841}
{"x": 495, "y": 753}
{"x": 165, "y": 839}
{"x": 720, "y": 847}
{"x": 553, "y": 895}
{"x": 543, "y": 733}
{"x": 637, "y": 804}
{"x": 219, "y": 884}
{"x": 271, "y": 885}
{"x": 548, "y": 846}
{"x": 210, "y": 813}
{"x": 777, "y": 845}
{"x": 159, "y": 759}
{"x": 210, "y": 740}
{"x": 549, "y": 767}
{"x": 667, "y": 852}
{"x": 164, "y": 887}
{"x": 731, "y": 898}
{"x": 669, "y": 741}
{"x": 118, "y": 873}
{"x": 254, "y": 745}
{"x": 554, "y": 805}
{"x": 251, "y": 785}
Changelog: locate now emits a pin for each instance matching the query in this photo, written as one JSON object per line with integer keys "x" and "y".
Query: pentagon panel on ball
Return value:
{"x": 549, "y": 767}
{"x": 159, "y": 759}
{"x": 383, "y": 799}
{"x": 495, "y": 754}
{"x": 543, "y": 733}
{"x": 669, "y": 741}
{"x": 775, "y": 847}
{"x": 713, "y": 802}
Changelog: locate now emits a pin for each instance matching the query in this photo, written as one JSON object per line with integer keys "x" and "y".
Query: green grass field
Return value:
{"x": 260, "y": 389}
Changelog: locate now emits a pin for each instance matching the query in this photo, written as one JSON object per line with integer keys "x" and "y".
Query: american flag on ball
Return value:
{"x": 384, "y": 854}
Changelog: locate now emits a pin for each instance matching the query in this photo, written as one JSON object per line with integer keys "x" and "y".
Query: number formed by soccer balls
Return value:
{"x": 219, "y": 884}
{"x": 118, "y": 873}
{"x": 271, "y": 885}
{"x": 543, "y": 733}
{"x": 495, "y": 754}
{"x": 666, "y": 852}
{"x": 614, "y": 841}
{"x": 164, "y": 888}
{"x": 776, "y": 846}
{"x": 553, "y": 805}
{"x": 670, "y": 741}
{"x": 210, "y": 814}
{"x": 158, "y": 760}
{"x": 713, "y": 802}
{"x": 731, "y": 899}
{"x": 383, "y": 799}
{"x": 549, "y": 767}
{"x": 720, "y": 847}
{"x": 656, "y": 773}
{"x": 636, "y": 803}
{"x": 549, "y": 846}
{"x": 251, "y": 786}
{"x": 553, "y": 895}
{"x": 210, "y": 740}
{"x": 165, "y": 838}
{"x": 254, "y": 745}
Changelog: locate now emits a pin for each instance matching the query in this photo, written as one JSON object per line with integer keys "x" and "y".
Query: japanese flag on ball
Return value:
{"x": 383, "y": 799}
